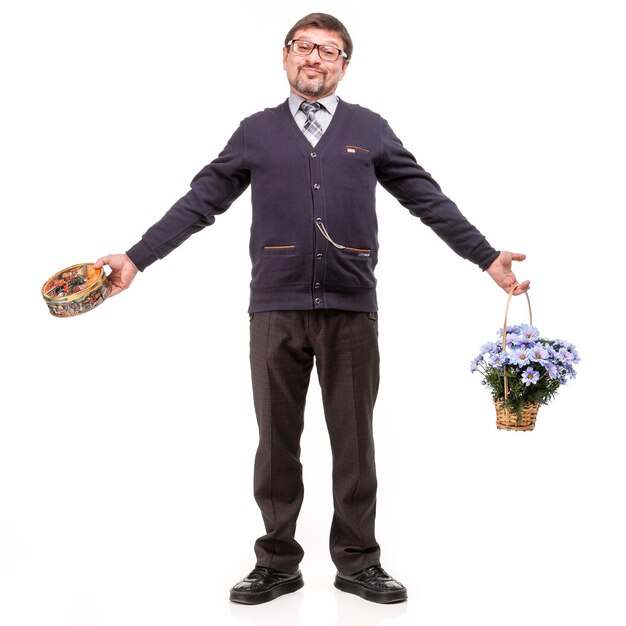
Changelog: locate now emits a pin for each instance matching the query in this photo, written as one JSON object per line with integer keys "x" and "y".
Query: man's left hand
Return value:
{"x": 501, "y": 272}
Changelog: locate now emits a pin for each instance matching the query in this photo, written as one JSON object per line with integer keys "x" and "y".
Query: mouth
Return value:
{"x": 311, "y": 71}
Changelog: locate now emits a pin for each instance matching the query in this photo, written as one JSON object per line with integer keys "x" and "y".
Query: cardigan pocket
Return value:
{"x": 274, "y": 265}
{"x": 362, "y": 252}
{"x": 351, "y": 266}
{"x": 347, "y": 265}
{"x": 279, "y": 249}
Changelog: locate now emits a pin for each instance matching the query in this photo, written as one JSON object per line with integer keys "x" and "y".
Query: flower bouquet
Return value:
{"x": 523, "y": 370}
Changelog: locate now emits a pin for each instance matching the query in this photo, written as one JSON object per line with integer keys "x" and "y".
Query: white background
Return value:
{"x": 127, "y": 435}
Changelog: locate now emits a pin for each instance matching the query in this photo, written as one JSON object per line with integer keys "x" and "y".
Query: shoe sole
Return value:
{"x": 381, "y": 597}
{"x": 259, "y": 597}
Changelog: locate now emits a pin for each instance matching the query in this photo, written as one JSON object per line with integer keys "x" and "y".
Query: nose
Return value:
{"x": 314, "y": 58}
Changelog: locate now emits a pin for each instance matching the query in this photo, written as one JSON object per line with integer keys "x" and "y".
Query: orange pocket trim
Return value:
{"x": 355, "y": 148}
{"x": 357, "y": 249}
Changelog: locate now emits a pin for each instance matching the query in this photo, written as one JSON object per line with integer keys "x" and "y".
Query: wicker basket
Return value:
{"x": 505, "y": 418}
{"x": 509, "y": 420}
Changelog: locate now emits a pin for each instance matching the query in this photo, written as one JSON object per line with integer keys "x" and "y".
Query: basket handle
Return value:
{"x": 506, "y": 312}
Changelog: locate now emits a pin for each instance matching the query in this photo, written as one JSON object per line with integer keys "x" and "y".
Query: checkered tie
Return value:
{"x": 312, "y": 128}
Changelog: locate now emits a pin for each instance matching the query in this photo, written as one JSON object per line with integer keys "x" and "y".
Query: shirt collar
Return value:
{"x": 329, "y": 102}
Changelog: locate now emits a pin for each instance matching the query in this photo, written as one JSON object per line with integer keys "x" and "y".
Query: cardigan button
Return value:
{"x": 318, "y": 301}
{"x": 317, "y": 285}
{"x": 319, "y": 256}
{"x": 316, "y": 186}
{"x": 313, "y": 155}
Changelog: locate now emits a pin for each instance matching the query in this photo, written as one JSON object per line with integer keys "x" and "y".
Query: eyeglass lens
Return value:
{"x": 327, "y": 53}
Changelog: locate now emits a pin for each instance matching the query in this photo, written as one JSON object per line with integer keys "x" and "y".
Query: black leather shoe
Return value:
{"x": 374, "y": 584}
{"x": 263, "y": 584}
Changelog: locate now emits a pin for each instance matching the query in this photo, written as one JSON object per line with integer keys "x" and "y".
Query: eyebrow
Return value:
{"x": 325, "y": 44}
{"x": 334, "y": 44}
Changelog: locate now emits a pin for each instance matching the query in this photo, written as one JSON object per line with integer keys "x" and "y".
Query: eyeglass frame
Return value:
{"x": 341, "y": 53}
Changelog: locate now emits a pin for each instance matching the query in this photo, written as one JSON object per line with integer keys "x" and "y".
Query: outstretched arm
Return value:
{"x": 123, "y": 271}
{"x": 501, "y": 272}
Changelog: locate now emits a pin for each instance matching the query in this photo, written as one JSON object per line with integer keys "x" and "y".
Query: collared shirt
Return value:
{"x": 324, "y": 116}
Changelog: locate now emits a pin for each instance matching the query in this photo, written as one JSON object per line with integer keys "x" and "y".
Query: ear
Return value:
{"x": 344, "y": 68}
{"x": 285, "y": 53}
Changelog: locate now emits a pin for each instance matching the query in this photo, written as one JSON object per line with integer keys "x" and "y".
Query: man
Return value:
{"x": 313, "y": 163}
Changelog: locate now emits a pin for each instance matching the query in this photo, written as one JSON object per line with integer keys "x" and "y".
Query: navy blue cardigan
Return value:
{"x": 314, "y": 230}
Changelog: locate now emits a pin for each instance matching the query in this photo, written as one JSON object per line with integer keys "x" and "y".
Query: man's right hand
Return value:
{"x": 123, "y": 271}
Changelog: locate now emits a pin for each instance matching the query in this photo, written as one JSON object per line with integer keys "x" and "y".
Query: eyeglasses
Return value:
{"x": 304, "y": 48}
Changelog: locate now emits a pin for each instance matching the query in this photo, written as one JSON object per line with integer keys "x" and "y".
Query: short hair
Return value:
{"x": 323, "y": 21}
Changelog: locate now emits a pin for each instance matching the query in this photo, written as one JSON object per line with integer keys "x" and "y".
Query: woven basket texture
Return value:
{"x": 508, "y": 420}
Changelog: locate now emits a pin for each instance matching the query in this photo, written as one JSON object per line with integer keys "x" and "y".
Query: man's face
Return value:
{"x": 310, "y": 76}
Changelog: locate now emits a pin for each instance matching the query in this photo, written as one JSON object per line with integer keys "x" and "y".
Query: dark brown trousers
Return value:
{"x": 344, "y": 346}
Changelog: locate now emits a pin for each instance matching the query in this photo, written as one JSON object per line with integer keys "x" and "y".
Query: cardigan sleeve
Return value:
{"x": 398, "y": 172}
{"x": 212, "y": 192}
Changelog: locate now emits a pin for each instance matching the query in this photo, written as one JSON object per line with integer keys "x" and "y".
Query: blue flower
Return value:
{"x": 552, "y": 369}
{"x": 525, "y": 341}
{"x": 498, "y": 359}
{"x": 530, "y": 376}
{"x": 530, "y": 332}
{"x": 490, "y": 346}
{"x": 514, "y": 339}
{"x": 538, "y": 353}
{"x": 520, "y": 357}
